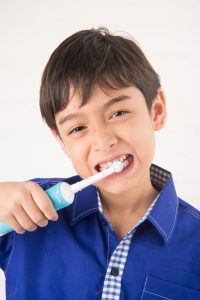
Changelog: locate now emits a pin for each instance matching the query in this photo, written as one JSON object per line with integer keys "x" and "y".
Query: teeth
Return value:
{"x": 122, "y": 158}
{"x": 125, "y": 163}
{"x": 109, "y": 164}
{"x": 103, "y": 166}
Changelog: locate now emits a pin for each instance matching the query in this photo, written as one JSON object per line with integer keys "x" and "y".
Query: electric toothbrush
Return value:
{"x": 62, "y": 194}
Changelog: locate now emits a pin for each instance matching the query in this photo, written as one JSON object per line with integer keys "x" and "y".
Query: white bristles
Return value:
{"x": 118, "y": 166}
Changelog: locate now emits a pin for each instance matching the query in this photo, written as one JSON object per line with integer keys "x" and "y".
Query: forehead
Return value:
{"x": 100, "y": 96}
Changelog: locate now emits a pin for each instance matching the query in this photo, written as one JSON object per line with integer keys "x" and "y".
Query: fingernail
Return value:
{"x": 55, "y": 218}
{"x": 43, "y": 223}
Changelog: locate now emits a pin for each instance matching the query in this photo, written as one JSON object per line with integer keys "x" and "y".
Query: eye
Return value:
{"x": 119, "y": 113}
{"x": 76, "y": 129}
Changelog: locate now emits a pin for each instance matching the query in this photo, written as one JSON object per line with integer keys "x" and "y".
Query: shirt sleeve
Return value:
{"x": 6, "y": 246}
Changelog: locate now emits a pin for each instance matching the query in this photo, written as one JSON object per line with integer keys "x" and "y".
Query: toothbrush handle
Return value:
{"x": 61, "y": 196}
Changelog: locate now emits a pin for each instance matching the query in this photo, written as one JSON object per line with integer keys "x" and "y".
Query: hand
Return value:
{"x": 24, "y": 206}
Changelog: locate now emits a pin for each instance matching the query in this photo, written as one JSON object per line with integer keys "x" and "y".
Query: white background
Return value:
{"x": 169, "y": 34}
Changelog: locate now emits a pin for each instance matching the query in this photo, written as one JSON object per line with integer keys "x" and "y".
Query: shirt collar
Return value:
{"x": 164, "y": 213}
{"x": 85, "y": 203}
{"x": 162, "y": 216}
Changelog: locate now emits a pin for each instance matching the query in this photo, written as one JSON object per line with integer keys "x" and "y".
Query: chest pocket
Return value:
{"x": 157, "y": 289}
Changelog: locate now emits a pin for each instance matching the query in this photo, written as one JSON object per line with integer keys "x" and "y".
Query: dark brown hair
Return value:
{"x": 91, "y": 58}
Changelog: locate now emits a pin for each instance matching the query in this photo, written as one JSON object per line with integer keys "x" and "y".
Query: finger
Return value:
{"x": 34, "y": 212}
{"x": 23, "y": 219}
{"x": 43, "y": 202}
{"x": 12, "y": 222}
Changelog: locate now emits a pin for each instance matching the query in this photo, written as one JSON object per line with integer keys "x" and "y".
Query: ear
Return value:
{"x": 60, "y": 141}
{"x": 158, "y": 111}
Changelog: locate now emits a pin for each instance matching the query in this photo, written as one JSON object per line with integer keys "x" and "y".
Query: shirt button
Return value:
{"x": 114, "y": 271}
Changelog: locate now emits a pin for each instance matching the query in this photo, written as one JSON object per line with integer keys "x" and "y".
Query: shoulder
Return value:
{"x": 6, "y": 248}
{"x": 189, "y": 211}
{"x": 188, "y": 221}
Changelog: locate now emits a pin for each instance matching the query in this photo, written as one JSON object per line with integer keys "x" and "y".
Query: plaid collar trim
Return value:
{"x": 159, "y": 177}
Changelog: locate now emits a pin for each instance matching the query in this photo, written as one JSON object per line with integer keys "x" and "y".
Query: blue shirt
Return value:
{"x": 69, "y": 259}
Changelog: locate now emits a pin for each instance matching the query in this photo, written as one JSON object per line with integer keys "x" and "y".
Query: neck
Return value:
{"x": 136, "y": 201}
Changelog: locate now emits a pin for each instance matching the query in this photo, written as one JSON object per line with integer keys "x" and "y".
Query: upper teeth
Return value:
{"x": 109, "y": 164}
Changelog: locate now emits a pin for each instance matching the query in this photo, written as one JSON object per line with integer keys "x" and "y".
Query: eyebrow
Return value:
{"x": 105, "y": 106}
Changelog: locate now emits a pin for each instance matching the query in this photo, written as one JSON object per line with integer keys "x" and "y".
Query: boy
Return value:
{"x": 129, "y": 236}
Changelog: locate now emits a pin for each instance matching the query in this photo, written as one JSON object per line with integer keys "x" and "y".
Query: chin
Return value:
{"x": 115, "y": 188}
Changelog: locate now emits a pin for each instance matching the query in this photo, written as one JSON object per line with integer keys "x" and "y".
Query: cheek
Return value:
{"x": 142, "y": 139}
{"x": 147, "y": 146}
{"x": 78, "y": 154}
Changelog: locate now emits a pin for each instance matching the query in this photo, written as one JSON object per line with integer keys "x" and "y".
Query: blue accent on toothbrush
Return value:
{"x": 56, "y": 196}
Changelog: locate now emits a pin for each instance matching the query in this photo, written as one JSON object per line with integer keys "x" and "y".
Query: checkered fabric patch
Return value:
{"x": 159, "y": 177}
{"x": 115, "y": 268}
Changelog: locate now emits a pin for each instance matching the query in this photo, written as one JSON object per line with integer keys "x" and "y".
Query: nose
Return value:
{"x": 103, "y": 140}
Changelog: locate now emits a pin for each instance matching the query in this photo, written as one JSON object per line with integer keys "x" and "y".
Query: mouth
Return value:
{"x": 126, "y": 159}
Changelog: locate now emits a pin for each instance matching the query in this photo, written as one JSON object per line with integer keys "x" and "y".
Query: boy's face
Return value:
{"x": 112, "y": 125}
